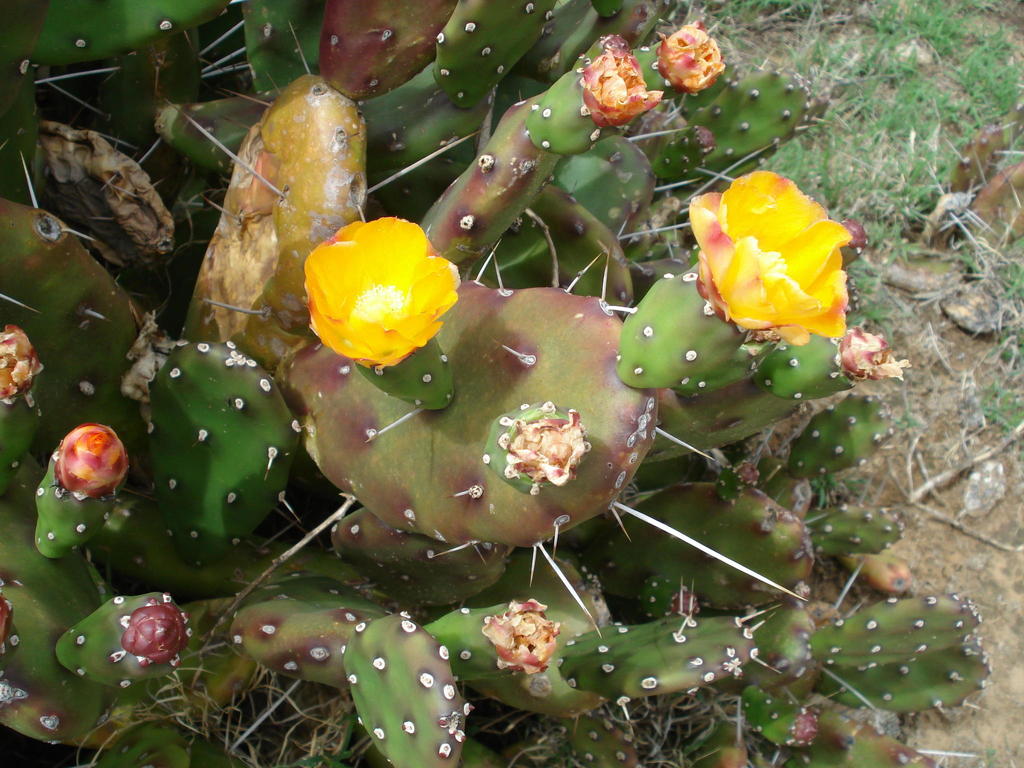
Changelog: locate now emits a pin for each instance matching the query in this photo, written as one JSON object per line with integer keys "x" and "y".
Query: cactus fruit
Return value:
{"x": 803, "y": 372}
{"x": 778, "y": 720}
{"x": 883, "y": 571}
{"x": 222, "y": 440}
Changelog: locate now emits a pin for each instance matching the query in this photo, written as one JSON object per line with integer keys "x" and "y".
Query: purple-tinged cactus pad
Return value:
{"x": 428, "y": 475}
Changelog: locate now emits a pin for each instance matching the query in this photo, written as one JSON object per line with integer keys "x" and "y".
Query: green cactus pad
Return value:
{"x": 559, "y": 121}
{"x": 423, "y": 379}
{"x": 282, "y": 40}
{"x": 665, "y": 656}
{"x": 784, "y": 645}
{"x": 588, "y": 255}
{"x": 803, "y": 372}
{"x": 405, "y": 693}
{"x": 222, "y": 440}
{"x": 369, "y": 47}
{"x": 422, "y": 475}
{"x": 843, "y": 743}
{"x": 719, "y": 417}
{"x": 66, "y": 520}
{"x": 77, "y": 306}
{"x": 940, "y": 678}
{"x": 793, "y": 493}
{"x": 152, "y": 743}
{"x": 414, "y": 569}
{"x": 575, "y": 25}
{"x": 20, "y": 123}
{"x": 675, "y": 340}
{"x": 41, "y": 699}
{"x": 227, "y": 119}
{"x": 777, "y": 719}
{"x": 480, "y": 43}
{"x": 597, "y": 741}
{"x": 846, "y": 530}
{"x": 299, "y": 626}
{"x": 722, "y": 748}
{"x": 749, "y": 118}
{"x": 774, "y": 545}
{"x": 474, "y": 212}
{"x": 136, "y": 544}
{"x": 840, "y": 437}
{"x": 895, "y": 630}
{"x": 682, "y": 153}
{"x": 613, "y": 180}
{"x": 85, "y": 30}
{"x": 19, "y": 420}
{"x": 412, "y": 121}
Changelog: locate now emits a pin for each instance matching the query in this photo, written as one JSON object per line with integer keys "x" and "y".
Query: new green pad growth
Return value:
{"x": 222, "y": 440}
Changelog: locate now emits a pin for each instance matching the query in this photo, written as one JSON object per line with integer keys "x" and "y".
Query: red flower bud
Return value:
{"x": 690, "y": 59}
{"x": 91, "y": 460}
{"x": 805, "y": 728}
{"x": 156, "y": 632}
{"x": 613, "y": 86}
{"x": 6, "y": 609}
{"x": 523, "y": 637}
{"x": 19, "y": 363}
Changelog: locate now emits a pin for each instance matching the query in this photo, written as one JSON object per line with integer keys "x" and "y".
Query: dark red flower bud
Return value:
{"x": 156, "y": 632}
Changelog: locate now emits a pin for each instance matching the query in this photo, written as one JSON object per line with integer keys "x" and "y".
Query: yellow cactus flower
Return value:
{"x": 377, "y": 289}
{"x": 770, "y": 258}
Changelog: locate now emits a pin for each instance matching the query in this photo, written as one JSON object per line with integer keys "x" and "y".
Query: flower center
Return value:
{"x": 379, "y": 303}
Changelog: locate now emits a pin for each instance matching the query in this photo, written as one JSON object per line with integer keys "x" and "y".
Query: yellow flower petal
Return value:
{"x": 769, "y": 207}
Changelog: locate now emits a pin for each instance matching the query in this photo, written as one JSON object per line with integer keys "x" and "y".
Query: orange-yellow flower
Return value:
{"x": 690, "y": 59}
{"x": 377, "y": 290}
{"x": 613, "y": 85}
{"x": 770, "y": 258}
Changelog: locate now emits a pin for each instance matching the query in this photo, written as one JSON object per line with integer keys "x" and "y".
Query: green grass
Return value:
{"x": 890, "y": 137}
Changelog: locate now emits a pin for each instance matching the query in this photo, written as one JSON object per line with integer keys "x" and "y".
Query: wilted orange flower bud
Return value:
{"x": 377, "y": 290}
{"x": 19, "y": 363}
{"x": 523, "y": 637}
{"x": 545, "y": 449}
{"x": 770, "y": 258}
{"x": 690, "y": 59}
{"x": 91, "y": 460}
{"x": 613, "y": 86}
{"x": 867, "y": 356}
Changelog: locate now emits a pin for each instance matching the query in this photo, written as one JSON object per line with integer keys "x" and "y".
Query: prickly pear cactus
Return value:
{"x": 569, "y": 472}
